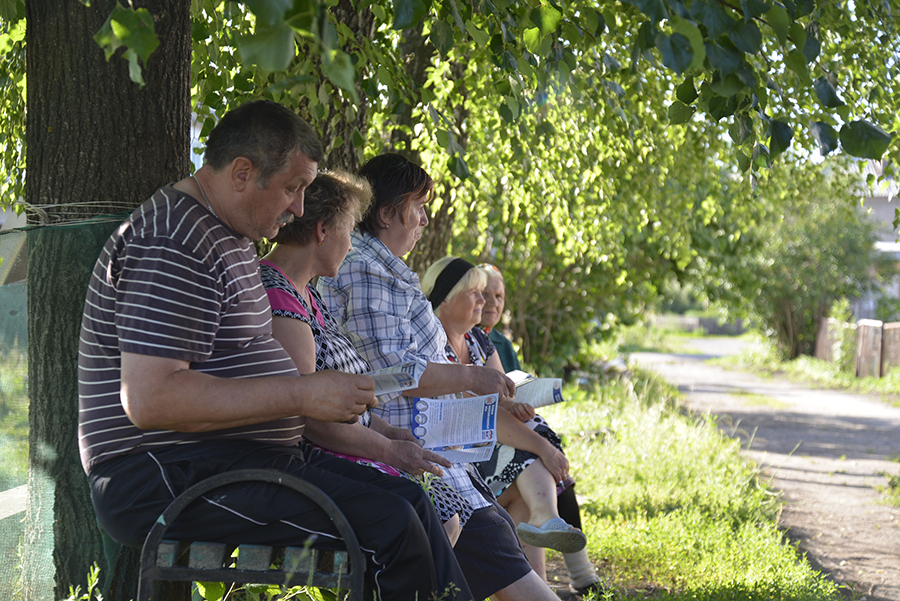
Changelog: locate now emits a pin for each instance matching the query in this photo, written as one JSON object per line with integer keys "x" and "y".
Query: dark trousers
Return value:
{"x": 408, "y": 553}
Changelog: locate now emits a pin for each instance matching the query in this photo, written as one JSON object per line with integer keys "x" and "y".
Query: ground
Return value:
{"x": 829, "y": 453}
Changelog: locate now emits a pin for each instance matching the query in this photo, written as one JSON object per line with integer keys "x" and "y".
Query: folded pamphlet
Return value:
{"x": 460, "y": 430}
{"x": 397, "y": 377}
{"x": 537, "y": 392}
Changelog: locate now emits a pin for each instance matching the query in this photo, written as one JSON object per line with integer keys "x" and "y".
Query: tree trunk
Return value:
{"x": 96, "y": 143}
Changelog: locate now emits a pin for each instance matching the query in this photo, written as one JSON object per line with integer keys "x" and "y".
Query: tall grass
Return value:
{"x": 670, "y": 505}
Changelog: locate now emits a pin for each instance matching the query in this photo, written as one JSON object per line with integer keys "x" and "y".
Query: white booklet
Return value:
{"x": 397, "y": 377}
{"x": 460, "y": 430}
{"x": 537, "y": 392}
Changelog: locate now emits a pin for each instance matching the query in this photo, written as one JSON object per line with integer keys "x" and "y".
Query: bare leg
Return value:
{"x": 518, "y": 510}
{"x": 536, "y": 487}
{"x": 451, "y": 527}
{"x": 527, "y": 588}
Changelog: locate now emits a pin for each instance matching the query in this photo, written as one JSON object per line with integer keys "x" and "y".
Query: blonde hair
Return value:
{"x": 473, "y": 278}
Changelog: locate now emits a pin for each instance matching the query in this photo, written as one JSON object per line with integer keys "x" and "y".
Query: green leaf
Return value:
{"x": 211, "y": 591}
{"x": 780, "y": 23}
{"x": 741, "y": 129}
{"x": 12, "y": 10}
{"x": 729, "y": 86}
{"x": 270, "y": 48}
{"x": 743, "y": 161}
{"x": 680, "y": 112}
{"x": 338, "y": 67}
{"x": 457, "y": 165}
{"x": 761, "y": 155}
{"x": 780, "y": 136}
{"x": 481, "y": 37}
{"x": 812, "y": 47}
{"x": 753, "y": 9}
{"x": 269, "y": 12}
{"x": 686, "y": 92}
{"x": 864, "y": 140}
{"x": 532, "y": 38}
{"x": 746, "y": 36}
{"x": 723, "y": 58}
{"x": 690, "y": 30}
{"x": 827, "y": 94}
{"x": 442, "y": 37}
{"x": 408, "y": 13}
{"x": 134, "y": 68}
{"x": 796, "y": 62}
{"x": 358, "y": 140}
{"x": 546, "y": 18}
{"x": 676, "y": 50}
{"x": 721, "y": 107}
{"x": 825, "y": 136}
{"x": 798, "y": 34}
{"x": 804, "y": 7}
{"x": 713, "y": 17}
{"x": 654, "y": 9}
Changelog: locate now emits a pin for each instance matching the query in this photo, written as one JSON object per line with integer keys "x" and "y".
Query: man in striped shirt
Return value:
{"x": 180, "y": 378}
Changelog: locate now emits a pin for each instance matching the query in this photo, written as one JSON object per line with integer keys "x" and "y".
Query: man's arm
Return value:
{"x": 164, "y": 394}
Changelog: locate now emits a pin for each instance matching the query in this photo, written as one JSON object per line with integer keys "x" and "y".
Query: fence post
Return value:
{"x": 890, "y": 347}
{"x": 868, "y": 348}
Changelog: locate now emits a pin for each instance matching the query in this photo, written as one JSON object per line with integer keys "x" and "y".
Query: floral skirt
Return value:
{"x": 447, "y": 501}
{"x": 508, "y": 462}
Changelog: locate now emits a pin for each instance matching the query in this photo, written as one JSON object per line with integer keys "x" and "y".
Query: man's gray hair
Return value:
{"x": 267, "y": 133}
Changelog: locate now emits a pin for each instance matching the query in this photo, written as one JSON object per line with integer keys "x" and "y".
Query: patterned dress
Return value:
{"x": 507, "y": 462}
{"x": 335, "y": 352}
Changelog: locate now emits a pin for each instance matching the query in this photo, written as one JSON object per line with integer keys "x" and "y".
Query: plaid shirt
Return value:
{"x": 378, "y": 301}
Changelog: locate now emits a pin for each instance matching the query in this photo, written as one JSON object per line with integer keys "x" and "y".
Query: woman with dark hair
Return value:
{"x": 314, "y": 245}
{"x": 378, "y": 301}
{"x": 528, "y": 464}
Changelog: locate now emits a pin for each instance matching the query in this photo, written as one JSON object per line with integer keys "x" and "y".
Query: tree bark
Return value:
{"x": 96, "y": 143}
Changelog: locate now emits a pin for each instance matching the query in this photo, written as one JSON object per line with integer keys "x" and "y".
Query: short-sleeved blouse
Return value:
{"x": 335, "y": 351}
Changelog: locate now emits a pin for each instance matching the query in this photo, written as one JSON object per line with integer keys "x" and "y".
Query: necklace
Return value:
{"x": 203, "y": 192}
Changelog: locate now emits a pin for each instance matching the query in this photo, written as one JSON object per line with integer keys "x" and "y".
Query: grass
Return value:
{"x": 752, "y": 399}
{"x": 672, "y": 510}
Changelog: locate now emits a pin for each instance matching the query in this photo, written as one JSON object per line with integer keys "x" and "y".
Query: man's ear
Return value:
{"x": 243, "y": 172}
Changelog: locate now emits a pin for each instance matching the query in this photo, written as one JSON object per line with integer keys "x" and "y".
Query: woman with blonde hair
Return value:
{"x": 528, "y": 461}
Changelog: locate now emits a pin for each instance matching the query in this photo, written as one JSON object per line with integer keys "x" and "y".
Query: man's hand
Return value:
{"x": 408, "y": 456}
{"x": 339, "y": 397}
{"x": 485, "y": 380}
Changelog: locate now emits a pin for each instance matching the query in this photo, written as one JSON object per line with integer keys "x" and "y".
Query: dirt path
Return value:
{"x": 826, "y": 450}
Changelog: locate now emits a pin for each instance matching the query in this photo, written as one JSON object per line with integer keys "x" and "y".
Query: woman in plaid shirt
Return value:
{"x": 379, "y": 302}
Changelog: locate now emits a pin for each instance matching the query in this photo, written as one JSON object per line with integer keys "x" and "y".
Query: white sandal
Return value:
{"x": 554, "y": 534}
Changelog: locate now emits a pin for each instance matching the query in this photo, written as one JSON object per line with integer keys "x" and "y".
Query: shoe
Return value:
{"x": 554, "y": 534}
{"x": 599, "y": 589}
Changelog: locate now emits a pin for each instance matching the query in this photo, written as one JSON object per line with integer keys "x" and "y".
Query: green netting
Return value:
{"x": 48, "y": 533}
{"x": 13, "y": 405}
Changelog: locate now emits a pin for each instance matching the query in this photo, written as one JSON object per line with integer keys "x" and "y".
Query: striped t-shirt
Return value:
{"x": 173, "y": 281}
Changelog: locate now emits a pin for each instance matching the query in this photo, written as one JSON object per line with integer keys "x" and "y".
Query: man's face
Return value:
{"x": 267, "y": 209}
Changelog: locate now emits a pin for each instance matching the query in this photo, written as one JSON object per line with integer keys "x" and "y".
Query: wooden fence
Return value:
{"x": 877, "y": 345}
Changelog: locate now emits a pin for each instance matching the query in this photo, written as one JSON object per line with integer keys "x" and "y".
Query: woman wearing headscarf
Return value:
{"x": 527, "y": 463}
{"x": 582, "y": 575}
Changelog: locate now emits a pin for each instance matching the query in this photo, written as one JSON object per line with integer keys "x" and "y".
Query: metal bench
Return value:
{"x": 190, "y": 561}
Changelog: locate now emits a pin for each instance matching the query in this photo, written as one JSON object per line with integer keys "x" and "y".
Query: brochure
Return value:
{"x": 460, "y": 430}
{"x": 397, "y": 377}
{"x": 537, "y": 392}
